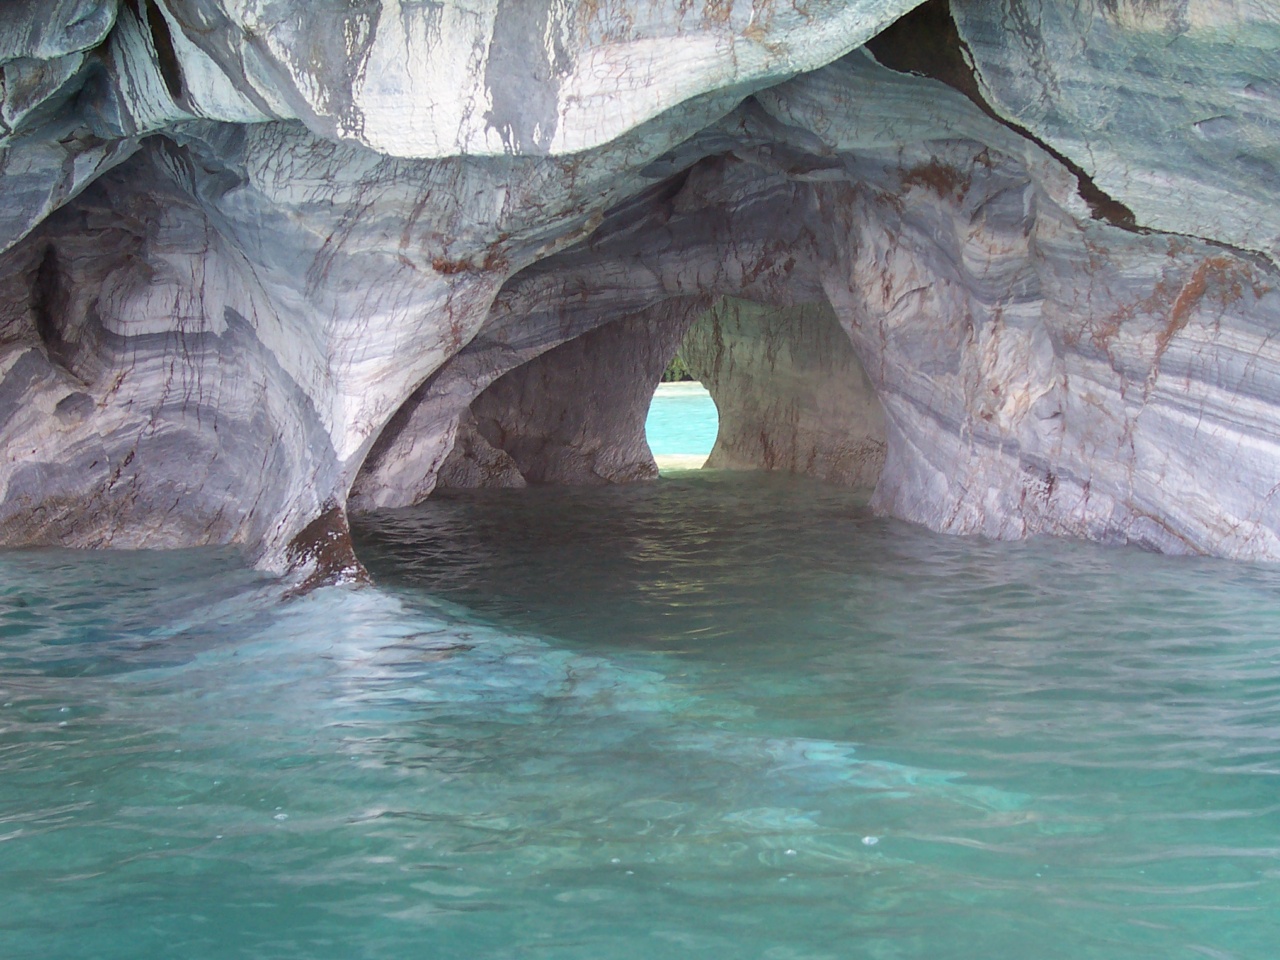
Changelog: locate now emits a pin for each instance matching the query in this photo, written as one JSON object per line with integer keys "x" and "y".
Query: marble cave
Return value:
{"x": 263, "y": 260}
{"x": 345, "y": 611}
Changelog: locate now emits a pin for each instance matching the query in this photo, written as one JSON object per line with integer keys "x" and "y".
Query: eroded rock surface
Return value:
{"x": 1170, "y": 106}
{"x": 258, "y": 262}
{"x": 474, "y": 462}
{"x": 791, "y": 392}
{"x": 575, "y": 415}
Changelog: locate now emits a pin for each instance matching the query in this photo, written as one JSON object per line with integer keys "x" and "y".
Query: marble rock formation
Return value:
{"x": 790, "y": 390}
{"x": 573, "y": 415}
{"x": 263, "y": 262}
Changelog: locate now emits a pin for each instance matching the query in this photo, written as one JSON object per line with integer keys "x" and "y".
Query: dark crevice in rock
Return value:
{"x": 624, "y": 216}
{"x": 322, "y": 551}
{"x": 926, "y": 42}
{"x": 1255, "y": 257}
{"x": 43, "y": 292}
{"x": 48, "y": 301}
{"x": 166, "y": 55}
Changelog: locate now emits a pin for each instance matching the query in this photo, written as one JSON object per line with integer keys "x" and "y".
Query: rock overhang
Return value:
{"x": 249, "y": 244}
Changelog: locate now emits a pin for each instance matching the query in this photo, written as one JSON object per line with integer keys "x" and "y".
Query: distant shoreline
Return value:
{"x": 681, "y": 387}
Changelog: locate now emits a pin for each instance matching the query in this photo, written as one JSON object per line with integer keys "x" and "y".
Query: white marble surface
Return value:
{"x": 260, "y": 257}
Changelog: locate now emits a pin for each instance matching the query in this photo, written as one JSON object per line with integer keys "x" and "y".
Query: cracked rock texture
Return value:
{"x": 264, "y": 262}
{"x": 1171, "y": 106}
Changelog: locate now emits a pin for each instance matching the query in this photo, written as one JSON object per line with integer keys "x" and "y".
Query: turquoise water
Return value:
{"x": 682, "y": 420}
{"x": 721, "y": 715}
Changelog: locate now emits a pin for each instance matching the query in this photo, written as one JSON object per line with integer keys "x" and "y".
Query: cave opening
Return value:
{"x": 683, "y": 420}
{"x": 760, "y": 387}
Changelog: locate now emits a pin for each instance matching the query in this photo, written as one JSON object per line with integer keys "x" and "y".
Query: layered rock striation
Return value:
{"x": 264, "y": 263}
{"x": 574, "y": 415}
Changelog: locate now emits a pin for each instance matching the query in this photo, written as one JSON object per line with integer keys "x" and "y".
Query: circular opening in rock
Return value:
{"x": 683, "y": 421}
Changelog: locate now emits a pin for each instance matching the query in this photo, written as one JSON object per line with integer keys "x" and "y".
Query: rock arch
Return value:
{"x": 243, "y": 288}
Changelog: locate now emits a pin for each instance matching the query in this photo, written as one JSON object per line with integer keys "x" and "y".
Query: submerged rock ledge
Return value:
{"x": 259, "y": 261}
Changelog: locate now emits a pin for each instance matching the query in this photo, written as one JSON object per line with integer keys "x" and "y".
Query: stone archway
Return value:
{"x": 1034, "y": 365}
{"x": 573, "y": 415}
{"x": 233, "y": 308}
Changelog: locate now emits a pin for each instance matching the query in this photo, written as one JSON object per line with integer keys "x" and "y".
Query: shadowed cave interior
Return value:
{"x": 789, "y": 392}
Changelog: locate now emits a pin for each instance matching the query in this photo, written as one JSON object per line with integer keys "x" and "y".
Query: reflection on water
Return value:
{"x": 716, "y": 716}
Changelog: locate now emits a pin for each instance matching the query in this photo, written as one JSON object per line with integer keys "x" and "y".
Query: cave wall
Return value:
{"x": 576, "y": 414}
{"x": 257, "y": 262}
{"x": 473, "y": 462}
{"x": 1040, "y": 370}
{"x": 1045, "y": 375}
{"x": 174, "y": 168}
{"x": 1169, "y": 106}
{"x": 790, "y": 390}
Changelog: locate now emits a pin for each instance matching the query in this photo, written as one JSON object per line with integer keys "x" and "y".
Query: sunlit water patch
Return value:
{"x": 681, "y": 425}
{"x": 716, "y": 716}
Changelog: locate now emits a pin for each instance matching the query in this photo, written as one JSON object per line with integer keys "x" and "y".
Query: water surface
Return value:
{"x": 715, "y": 716}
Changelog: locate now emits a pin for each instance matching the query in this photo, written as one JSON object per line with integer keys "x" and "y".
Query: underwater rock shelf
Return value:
{"x": 1011, "y": 263}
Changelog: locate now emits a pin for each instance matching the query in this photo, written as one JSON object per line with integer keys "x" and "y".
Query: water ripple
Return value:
{"x": 716, "y": 716}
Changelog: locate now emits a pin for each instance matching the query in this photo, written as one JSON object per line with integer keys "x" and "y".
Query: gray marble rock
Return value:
{"x": 230, "y": 274}
{"x": 260, "y": 260}
{"x": 575, "y": 415}
{"x": 1171, "y": 106}
{"x": 494, "y": 77}
{"x": 791, "y": 393}
{"x": 474, "y": 462}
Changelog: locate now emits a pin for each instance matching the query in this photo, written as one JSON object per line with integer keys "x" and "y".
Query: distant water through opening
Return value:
{"x": 681, "y": 426}
{"x": 715, "y": 716}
